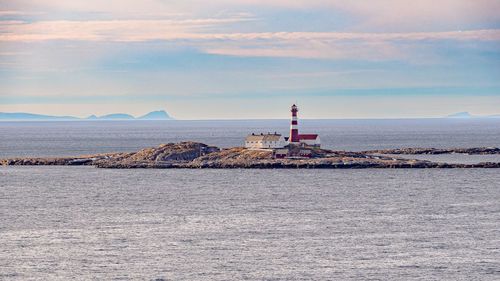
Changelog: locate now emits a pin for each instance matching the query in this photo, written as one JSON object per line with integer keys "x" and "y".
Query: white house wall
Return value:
{"x": 266, "y": 144}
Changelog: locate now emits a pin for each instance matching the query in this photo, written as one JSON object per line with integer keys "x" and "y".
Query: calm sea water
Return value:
{"x": 86, "y": 223}
{"x": 83, "y": 223}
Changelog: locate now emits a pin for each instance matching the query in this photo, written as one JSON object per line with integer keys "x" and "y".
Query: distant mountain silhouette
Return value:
{"x": 31, "y": 116}
{"x": 468, "y": 115}
{"x": 460, "y": 115}
{"x": 116, "y": 116}
{"x": 154, "y": 115}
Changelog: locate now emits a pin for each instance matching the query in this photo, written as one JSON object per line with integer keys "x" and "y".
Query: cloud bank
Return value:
{"x": 379, "y": 29}
{"x": 192, "y": 33}
{"x": 136, "y": 52}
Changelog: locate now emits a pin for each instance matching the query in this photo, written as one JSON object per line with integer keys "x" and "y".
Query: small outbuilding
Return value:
{"x": 280, "y": 153}
{"x": 310, "y": 139}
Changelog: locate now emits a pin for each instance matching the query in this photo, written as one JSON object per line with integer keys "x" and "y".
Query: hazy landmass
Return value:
{"x": 153, "y": 115}
{"x": 30, "y": 116}
{"x": 21, "y": 116}
{"x": 468, "y": 115}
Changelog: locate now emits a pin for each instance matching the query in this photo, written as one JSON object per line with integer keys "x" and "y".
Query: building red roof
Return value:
{"x": 308, "y": 136}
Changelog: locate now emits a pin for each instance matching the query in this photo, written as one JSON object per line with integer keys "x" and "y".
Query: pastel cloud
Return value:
{"x": 111, "y": 30}
{"x": 192, "y": 32}
{"x": 410, "y": 14}
{"x": 192, "y": 29}
{"x": 373, "y": 14}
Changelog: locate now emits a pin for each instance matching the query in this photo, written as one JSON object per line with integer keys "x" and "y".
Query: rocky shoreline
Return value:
{"x": 436, "y": 151}
{"x": 194, "y": 155}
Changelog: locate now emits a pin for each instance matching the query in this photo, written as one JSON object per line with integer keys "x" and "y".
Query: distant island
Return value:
{"x": 21, "y": 116}
{"x": 194, "y": 155}
{"x": 466, "y": 115}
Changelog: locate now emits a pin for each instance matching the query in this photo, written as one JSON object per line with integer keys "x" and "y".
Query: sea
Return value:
{"x": 84, "y": 223}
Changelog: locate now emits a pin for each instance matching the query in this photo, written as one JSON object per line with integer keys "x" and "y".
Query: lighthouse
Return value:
{"x": 294, "y": 126}
{"x": 296, "y": 145}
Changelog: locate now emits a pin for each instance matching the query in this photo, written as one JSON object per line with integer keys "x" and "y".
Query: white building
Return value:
{"x": 263, "y": 141}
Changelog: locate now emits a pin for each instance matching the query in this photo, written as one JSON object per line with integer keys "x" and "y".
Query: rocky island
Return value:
{"x": 194, "y": 155}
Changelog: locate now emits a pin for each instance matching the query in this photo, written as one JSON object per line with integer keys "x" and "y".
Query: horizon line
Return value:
{"x": 76, "y": 119}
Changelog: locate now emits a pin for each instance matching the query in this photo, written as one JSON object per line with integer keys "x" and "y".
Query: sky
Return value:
{"x": 251, "y": 59}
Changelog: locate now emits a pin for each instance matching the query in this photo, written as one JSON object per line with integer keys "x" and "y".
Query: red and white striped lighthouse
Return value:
{"x": 294, "y": 127}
